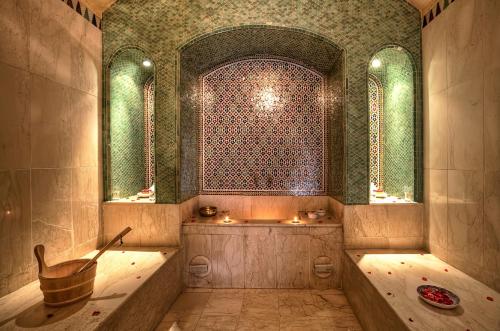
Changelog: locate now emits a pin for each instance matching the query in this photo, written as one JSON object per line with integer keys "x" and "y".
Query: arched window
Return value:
{"x": 130, "y": 160}
{"x": 391, "y": 95}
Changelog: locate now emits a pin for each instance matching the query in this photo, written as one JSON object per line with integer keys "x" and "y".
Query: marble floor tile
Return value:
{"x": 260, "y": 309}
{"x": 257, "y": 321}
{"x": 221, "y": 303}
{"x": 217, "y": 323}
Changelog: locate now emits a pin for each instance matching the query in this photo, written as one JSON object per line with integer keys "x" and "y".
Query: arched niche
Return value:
{"x": 129, "y": 126}
{"x": 392, "y": 126}
{"x": 270, "y": 43}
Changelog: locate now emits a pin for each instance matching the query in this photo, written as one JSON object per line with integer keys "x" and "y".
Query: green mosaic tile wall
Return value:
{"x": 360, "y": 27}
{"x": 126, "y": 113}
{"x": 397, "y": 79}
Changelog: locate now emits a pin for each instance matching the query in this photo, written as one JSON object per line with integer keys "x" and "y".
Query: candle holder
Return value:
{"x": 295, "y": 220}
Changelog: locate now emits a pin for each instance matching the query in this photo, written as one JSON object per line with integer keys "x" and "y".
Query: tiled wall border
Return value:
{"x": 84, "y": 11}
{"x": 435, "y": 11}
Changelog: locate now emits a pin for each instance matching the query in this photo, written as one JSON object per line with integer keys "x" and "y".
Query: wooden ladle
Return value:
{"x": 105, "y": 248}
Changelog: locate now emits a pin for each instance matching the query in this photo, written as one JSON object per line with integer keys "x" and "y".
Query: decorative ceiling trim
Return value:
{"x": 84, "y": 11}
{"x": 437, "y": 8}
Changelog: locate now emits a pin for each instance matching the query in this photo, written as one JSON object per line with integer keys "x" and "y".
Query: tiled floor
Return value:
{"x": 249, "y": 309}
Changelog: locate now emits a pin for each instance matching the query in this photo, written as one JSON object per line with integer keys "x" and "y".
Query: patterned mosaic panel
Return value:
{"x": 149, "y": 132}
{"x": 357, "y": 26}
{"x": 263, "y": 129}
{"x": 375, "y": 94}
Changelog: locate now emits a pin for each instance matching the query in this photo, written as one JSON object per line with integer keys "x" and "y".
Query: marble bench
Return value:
{"x": 134, "y": 288}
{"x": 381, "y": 287}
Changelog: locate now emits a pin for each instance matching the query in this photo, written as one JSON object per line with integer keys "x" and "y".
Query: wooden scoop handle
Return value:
{"x": 105, "y": 248}
{"x": 40, "y": 257}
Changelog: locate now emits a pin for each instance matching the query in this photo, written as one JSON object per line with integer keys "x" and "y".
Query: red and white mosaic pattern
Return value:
{"x": 376, "y": 132}
{"x": 263, "y": 129}
{"x": 149, "y": 132}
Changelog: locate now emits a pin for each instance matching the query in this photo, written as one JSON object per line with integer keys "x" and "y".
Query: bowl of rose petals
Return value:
{"x": 438, "y": 296}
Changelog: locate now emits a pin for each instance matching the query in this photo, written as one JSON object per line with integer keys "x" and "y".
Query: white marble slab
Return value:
{"x": 395, "y": 275}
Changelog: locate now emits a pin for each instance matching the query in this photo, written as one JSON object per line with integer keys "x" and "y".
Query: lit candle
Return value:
{"x": 295, "y": 219}
{"x": 227, "y": 220}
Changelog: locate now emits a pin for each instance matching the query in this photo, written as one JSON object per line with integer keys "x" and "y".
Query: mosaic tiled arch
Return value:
{"x": 133, "y": 171}
{"x": 204, "y": 53}
{"x": 417, "y": 168}
{"x": 162, "y": 27}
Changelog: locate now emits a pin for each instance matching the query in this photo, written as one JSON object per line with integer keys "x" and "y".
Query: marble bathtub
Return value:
{"x": 134, "y": 288}
{"x": 262, "y": 253}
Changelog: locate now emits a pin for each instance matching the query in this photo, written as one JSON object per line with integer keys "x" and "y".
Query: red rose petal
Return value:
{"x": 489, "y": 298}
{"x": 446, "y": 270}
{"x": 390, "y": 273}
{"x": 50, "y": 315}
{"x": 369, "y": 272}
{"x": 358, "y": 255}
{"x": 138, "y": 277}
{"x": 410, "y": 319}
{"x": 389, "y": 293}
{"x": 424, "y": 279}
{"x": 402, "y": 263}
{"x": 132, "y": 263}
{"x": 96, "y": 313}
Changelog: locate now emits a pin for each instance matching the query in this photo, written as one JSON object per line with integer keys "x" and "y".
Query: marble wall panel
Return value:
{"x": 227, "y": 260}
{"x": 51, "y": 197}
{"x": 460, "y": 197}
{"x": 14, "y": 116}
{"x": 434, "y": 56}
{"x": 152, "y": 224}
{"x": 464, "y": 51}
{"x": 50, "y": 124}
{"x": 50, "y": 63}
{"x": 436, "y": 130}
{"x": 465, "y": 124}
{"x": 264, "y": 207}
{"x": 383, "y": 226}
{"x": 15, "y": 230}
{"x": 492, "y": 227}
{"x": 465, "y": 218}
{"x": 292, "y": 261}
{"x": 54, "y": 31}
{"x": 14, "y": 24}
{"x": 260, "y": 258}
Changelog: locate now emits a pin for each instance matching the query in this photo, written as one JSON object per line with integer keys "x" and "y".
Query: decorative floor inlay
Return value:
{"x": 263, "y": 129}
{"x": 259, "y": 309}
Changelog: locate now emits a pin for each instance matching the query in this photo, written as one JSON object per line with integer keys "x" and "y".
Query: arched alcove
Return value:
{"x": 129, "y": 126}
{"x": 276, "y": 51}
{"x": 391, "y": 109}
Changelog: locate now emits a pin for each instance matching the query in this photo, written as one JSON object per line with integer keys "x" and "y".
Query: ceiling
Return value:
{"x": 99, "y": 6}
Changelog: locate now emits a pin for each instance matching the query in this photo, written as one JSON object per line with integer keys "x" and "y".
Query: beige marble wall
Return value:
{"x": 152, "y": 224}
{"x": 50, "y": 66}
{"x": 461, "y": 69}
{"x": 264, "y": 207}
{"x": 262, "y": 256}
{"x": 383, "y": 226}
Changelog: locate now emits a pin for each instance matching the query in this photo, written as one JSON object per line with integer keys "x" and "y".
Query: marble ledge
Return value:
{"x": 122, "y": 275}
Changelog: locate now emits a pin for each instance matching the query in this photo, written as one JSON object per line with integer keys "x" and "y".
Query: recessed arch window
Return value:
{"x": 391, "y": 113}
{"x": 130, "y": 127}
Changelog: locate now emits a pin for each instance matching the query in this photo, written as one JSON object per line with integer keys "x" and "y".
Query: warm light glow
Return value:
{"x": 295, "y": 219}
{"x": 147, "y": 63}
{"x": 227, "y": 220}
{"x": 267, "y": 99}
{"x": 376, "y": 63}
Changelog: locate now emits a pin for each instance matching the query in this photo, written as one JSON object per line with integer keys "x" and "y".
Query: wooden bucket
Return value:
{"x": 61, "y": 284}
